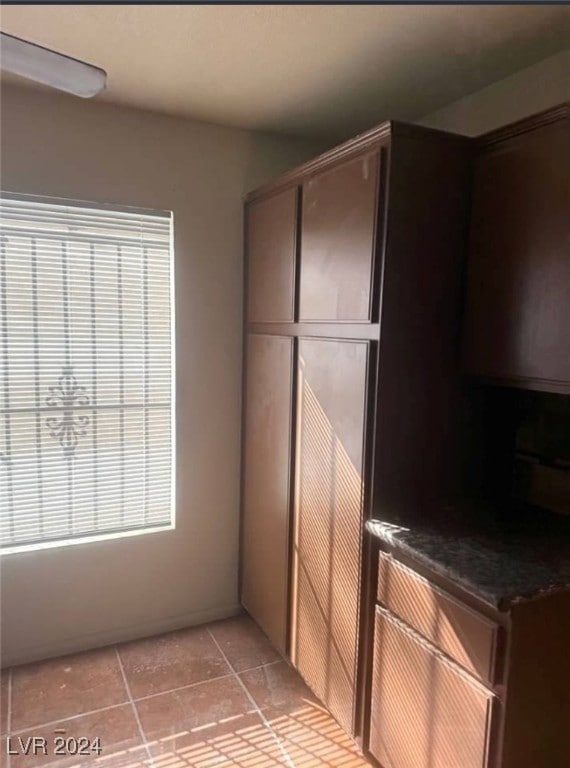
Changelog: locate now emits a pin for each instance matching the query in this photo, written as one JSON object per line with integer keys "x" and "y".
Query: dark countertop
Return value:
{"x": 500, "y": 558}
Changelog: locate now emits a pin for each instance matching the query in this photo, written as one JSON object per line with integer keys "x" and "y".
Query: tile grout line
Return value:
{"x": 257, "y": 709}
{"x": 128, "y": 701}
{"x": 133, "y": 705}
{"x": 179, "y": 688}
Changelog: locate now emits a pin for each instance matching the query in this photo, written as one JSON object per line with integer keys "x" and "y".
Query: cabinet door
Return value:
{"x": 517, "y": 322}
{"x": 266, "y": 478}
{"x": 328, "y": 519}
{"x": 425, "y": 712}
{"x": 338, "y": 241}
{"x": 271, "y": 226}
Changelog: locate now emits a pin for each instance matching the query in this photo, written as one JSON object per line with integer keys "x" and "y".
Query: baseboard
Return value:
{"x": 24, "y": 655}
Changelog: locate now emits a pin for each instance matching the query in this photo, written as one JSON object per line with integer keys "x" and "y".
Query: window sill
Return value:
{"x": 89, "y": 539}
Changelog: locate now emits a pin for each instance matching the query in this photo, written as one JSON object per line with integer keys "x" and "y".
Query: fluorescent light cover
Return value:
{"x": 50, "y": 68}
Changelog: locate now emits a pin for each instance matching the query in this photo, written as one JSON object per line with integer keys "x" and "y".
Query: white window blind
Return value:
{"x": 86, "y": 436}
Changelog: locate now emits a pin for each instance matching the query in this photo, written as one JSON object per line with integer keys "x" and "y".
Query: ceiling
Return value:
{"x": 315, "y": 71}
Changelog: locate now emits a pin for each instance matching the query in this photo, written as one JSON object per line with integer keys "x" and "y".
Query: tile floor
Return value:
{"x": 206, "y": 697}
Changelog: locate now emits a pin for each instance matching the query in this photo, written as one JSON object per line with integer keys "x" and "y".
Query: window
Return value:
{"x": 86, "y": 388}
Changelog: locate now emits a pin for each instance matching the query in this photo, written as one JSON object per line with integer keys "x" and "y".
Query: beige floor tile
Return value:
{"x": 243, "y": 643}
{"x": 207, "y": 725}
{"x": 59, "y": 688}
{"x": 161, "y": 663}
{"x": 191, "y": 711}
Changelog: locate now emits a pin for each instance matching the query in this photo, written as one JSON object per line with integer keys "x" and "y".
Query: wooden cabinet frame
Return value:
{"x": 420, "y": 230}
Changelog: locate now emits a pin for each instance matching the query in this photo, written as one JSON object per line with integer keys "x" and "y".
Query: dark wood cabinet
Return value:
{"x": 271, "y": 231}
{"x": 517, "y": 318}
{"x": 456, "y": 683}
{"x": 338, "y": 236}
{"x": 376, "y": 302}
{"x": 331, "y": 413}
{"x": 266, "y": 484}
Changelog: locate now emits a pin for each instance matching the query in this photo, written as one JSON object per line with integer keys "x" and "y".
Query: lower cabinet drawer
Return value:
{"x": 466, "y": 636}
{"x": 426, "y": 712}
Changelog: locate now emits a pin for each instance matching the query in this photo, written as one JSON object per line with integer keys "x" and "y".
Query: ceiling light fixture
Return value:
{"x": 50, "y": 68}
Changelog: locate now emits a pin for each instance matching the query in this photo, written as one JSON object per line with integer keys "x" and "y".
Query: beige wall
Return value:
{"x": 531, "y": 90}
{"x": 73, "y": 597}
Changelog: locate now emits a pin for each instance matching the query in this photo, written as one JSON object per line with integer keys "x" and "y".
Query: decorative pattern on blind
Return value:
{"x": 86, "y": 440}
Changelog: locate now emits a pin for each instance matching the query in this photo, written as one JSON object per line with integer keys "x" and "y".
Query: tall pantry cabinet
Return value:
{"x": 353, "y": 289}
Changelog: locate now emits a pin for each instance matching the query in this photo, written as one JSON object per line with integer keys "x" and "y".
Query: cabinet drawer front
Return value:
{"x": 466, "y": 636}
{"x": 425, "y": 711}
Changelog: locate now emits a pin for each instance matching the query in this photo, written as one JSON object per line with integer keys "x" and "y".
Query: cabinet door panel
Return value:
{"x": 425, "y": 712}
{"x": 328, "y": 518}
{"x": 517, "y": 321}
{"x": 271, "y": 245}
{"x": 337, "y": 241}
{"x": 265, "y": 514}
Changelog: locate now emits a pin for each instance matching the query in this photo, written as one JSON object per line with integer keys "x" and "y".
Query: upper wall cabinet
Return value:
{"x": 271, "y": 225}
{"x": 337, "y": 241}
{"x": 517, "y": 321}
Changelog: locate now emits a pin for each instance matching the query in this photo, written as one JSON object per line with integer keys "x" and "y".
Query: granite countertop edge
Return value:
{"x": 469, "y": 563}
